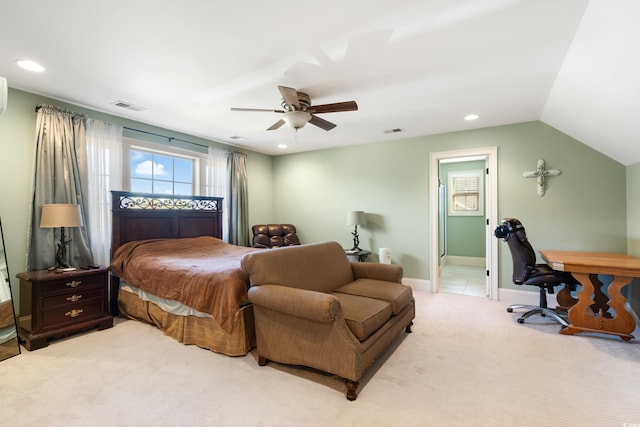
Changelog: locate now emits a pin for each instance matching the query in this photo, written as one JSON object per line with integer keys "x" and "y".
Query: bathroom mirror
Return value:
{"x": 9, "y": 345}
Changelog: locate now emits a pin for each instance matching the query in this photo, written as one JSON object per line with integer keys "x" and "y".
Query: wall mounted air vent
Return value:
{"x": 128, "y": 106}
{"x": 394, "y": 130}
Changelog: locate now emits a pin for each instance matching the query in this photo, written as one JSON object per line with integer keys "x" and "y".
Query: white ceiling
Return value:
{"x": 417, "y": 65}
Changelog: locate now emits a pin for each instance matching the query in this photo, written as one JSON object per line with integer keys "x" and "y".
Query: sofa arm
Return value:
{"x": 370, "y": 270}
{"x": 306, "y": 304}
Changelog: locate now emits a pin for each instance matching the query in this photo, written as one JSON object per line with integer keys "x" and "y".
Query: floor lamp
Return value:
{"x": 61, "y": 215}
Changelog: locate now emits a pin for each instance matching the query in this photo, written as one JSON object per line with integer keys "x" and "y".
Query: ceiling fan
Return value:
{"x": 297, "y": 110}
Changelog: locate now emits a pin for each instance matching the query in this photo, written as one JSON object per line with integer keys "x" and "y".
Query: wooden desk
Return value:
{"x": 592, "y": 312}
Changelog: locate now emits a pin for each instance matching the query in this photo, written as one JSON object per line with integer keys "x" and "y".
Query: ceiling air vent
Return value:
{"x": 394, "y": 130}
{"x": 128, "y": 106}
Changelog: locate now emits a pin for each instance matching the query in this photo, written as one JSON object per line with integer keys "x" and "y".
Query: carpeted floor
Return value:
{"x": 467, "y": 363}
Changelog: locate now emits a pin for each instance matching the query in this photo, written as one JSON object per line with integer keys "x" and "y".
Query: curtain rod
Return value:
{"x": 169, "y": 138}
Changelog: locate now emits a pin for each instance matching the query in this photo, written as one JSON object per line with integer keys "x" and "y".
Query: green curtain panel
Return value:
{"x": 238, "y": 200}
{"x": 60, "y": 171}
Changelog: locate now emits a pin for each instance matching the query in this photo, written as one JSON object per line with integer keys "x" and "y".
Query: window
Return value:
{"x": 154, "y": 168}
{"x": 466, "y": 193}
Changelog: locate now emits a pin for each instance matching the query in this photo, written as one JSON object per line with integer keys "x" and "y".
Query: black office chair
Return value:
{"x": 527, "y": 272}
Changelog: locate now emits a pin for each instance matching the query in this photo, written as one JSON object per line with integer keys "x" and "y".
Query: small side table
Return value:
{"x": 359, "y": 256}
{"x": 54, "y": 304}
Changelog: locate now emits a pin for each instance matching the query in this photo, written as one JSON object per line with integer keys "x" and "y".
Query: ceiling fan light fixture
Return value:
{"x": 296, "y": 119}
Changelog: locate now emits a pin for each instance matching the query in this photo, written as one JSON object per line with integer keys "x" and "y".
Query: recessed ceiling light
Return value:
{"x": 30, "y": 65}
{"x": 282, "y": 146}
{"x": 470, "y": 117}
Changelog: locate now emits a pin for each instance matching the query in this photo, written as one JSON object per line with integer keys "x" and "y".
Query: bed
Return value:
{"x": 170, "y": 269}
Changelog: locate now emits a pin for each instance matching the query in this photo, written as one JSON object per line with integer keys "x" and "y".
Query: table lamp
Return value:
{"x": 61, "y": 215}
{"x": 356, "y": 218}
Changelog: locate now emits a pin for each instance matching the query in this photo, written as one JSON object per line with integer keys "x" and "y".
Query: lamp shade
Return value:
{"x": 356, "y": 218}
{"x": 60, "y": 215}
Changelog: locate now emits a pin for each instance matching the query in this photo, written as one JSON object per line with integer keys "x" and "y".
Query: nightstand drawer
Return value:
{"x": 72, "y": 283}
{"x": 55, "y": 317}
{"x": 70, "y": 299}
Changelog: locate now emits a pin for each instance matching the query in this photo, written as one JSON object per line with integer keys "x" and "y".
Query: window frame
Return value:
{"x": 451, "y": 177}
{"x": 199, "y": 162}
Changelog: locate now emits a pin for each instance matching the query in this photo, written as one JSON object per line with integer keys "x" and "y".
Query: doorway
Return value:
{"x": 436, "y": 227}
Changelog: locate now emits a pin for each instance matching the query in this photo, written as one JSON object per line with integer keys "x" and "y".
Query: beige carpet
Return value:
{"x": 467, "y": 363}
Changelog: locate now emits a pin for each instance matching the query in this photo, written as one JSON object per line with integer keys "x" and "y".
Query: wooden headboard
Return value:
{"x": 140, "y": 216}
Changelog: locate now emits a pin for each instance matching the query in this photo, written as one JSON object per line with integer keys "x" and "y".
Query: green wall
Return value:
{"x": 465, "y": 235}
{"x": 587, "y": 207}
{"x": 17, "y": 149}
{"x": 633, "y": 228}
{"x": 389, "y": 181}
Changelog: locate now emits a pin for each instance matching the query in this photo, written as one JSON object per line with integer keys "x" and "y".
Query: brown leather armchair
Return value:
{"x": 274, "y": 235}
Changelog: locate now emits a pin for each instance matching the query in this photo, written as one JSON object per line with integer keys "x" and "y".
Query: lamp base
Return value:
{"x": 61, "y": 253}
{"x": 356, "y": 240}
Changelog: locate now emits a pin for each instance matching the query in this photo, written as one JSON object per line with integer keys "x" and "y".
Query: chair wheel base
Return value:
{"x": 520, "y": 320}
{"x": 509, "y": 310}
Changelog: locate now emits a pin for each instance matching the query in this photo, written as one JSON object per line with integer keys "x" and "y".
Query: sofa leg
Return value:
{"x": 352, "y": 386}
{"x": 408, "y": 328}
{"x": 262, "y": 361}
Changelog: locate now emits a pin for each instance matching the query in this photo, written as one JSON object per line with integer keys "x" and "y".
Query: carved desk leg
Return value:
{"x": 565, "y": 300}
{"x": 582, "y": 318}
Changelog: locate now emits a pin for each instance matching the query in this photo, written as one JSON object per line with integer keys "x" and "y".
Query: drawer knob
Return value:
{"x": 74, "y": 298}
{"x": 74, "y": 283}
{"x": 74, "y": 312}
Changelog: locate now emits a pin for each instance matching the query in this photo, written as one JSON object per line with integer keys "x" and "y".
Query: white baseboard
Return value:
{"x": 463, "y": 260}
{"x": 516, "y": 296}
{"x": 509, "y": 296}
{"x": 417, "y": 284}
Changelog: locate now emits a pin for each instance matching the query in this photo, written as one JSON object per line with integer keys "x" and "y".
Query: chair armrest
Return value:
{"x": 302, "y": 303}
{"x": 370, "y": 270}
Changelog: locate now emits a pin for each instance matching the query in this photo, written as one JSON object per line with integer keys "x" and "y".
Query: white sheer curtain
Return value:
{"x": 217, "y": 179}
{"x": 104, "y": 165}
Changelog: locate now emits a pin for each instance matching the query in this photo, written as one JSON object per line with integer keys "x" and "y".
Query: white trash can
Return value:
{"x": 385, "y": 255}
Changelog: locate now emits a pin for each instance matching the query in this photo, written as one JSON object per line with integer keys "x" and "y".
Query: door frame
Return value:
{"x": 491, "y": 213}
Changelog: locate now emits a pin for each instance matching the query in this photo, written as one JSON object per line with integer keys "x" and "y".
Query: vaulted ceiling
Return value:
{"x": 418, "y": 66}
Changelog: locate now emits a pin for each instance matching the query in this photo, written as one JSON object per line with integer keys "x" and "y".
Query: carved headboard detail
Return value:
{"x": 140, "y": 216}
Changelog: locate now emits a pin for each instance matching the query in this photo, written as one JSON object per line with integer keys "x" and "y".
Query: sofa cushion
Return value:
{"x": 320, "y": 267}
{"x": 396, "y": 294}
{"x": 363, "y": 315}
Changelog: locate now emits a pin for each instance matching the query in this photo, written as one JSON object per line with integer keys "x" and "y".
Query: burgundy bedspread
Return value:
{"x": 201, "y": 272}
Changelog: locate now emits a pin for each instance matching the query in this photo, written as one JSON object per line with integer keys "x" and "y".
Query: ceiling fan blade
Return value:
{"x": 290, "y": 96}
{"x": 334, "y": 108}
{"x": 321, "y": 123}
{"x": 276, "y": 125}
{"x": 257, "y": 109}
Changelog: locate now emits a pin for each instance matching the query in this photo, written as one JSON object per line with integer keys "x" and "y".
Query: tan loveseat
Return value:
{"x": 314, "y": 308}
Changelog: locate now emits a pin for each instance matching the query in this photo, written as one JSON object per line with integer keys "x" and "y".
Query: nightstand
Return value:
{"x": 359, "y": 255}
{"x": 54, "y": 305}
